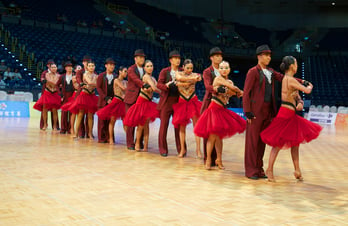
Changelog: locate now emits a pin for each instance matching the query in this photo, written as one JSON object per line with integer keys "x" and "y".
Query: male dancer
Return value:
{"x": 83, "y": 130}
{"x": 260, "y": 106}
{"x": 135, "y": 83}
{"x": 43, "y": 82}
{"x": 67, "y": 91}
{"x": 169, "y": 96}
{"x": 105, "y": 83}
{"x": 209, "y": 75}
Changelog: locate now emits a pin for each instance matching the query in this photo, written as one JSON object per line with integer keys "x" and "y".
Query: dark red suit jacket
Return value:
{"x": 102, "y": 88}
{"x": 43, "y": 77}
{"x": 62, "y": 84}
{"x": 134, "y": 85}
{"x": 163, "y": 78}
{"x": 208, "y": 78}
{"x": 254, "y": 90}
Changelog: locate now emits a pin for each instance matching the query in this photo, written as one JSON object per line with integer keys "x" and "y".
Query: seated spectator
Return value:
{"x": 8, "y": 74}
{"x": 2, "y": 83}
{"x": 3, "y": 66}
{"x": 100, "y": 23}
{"x": 16, "y": 75}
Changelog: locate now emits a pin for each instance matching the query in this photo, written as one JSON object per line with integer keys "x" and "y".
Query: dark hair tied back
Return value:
{"x": 286, "y": 62}
{"x": 187, "y": 61}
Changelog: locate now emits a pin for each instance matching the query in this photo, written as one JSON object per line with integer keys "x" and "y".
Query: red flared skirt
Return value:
{"x": 84, "y": 101}
{"x": 67, "y": 105}
{"x": 185, "y": 110}
{"x": 219, "y": 121}
{"x": 50, "y": 100}
{"x": 140, "y": 112}
{"x": 289, "y": 129}
{"x": 115, "y": 109}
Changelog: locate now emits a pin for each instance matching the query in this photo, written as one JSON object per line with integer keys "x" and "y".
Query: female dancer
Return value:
{"x": 116, "y": 109}
{"x": 144, "y": 110}
{"x": 50, "y": 99}
{"x": 288, "y": 129}
{"x": 217, "y": 122}
{"x": 86, "y": 100}
{"x": 188, "y": 106}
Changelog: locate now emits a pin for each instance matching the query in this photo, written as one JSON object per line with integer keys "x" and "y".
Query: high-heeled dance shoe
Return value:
{"x": 208, "y": 164}
{"x": 298, "y": 176}
{"x": 182, "y": 155}
{"x": 219, "y": 164}
{"x": 270, "y": 176}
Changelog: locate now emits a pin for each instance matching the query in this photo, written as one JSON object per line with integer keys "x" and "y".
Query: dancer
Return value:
{"x": 50, "y": 99}
{"x": 217, "y": 122}
{"x": 68, "y": 91}
{"x": 209, "y": 75}
{"x": 188, "y": 106}
{"x": 105, "y": 84}
{"x": 260, "y": 106}
{"x": 135, "y": 83}
{"x": 144, "y": 110}
{"x": 43, "y": 82}
{"x": 287, "y": 129}
{"x": 67, "y": 106}
{"x": 116, "y": 109}
{"x": 86, "y": 101}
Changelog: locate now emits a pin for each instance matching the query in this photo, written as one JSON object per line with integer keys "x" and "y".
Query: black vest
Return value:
{"x": 268, "y": 87}
{"x": 173, "y": 90}
{"x": 68, "y": 87}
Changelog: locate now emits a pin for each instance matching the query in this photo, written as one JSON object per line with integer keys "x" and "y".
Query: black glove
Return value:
{"x": 305, "y": 83}
{"x": 249, "y": 115}
{"x": 82, "y": 84}
{"x": 221, "y": 89}
{"x": 146, "y": 86}
{"x": 107, "y": 98}
{"x": 44, "y": 81}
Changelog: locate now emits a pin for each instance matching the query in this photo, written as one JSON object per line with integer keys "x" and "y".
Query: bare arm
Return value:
{"x": 219, "y": 81}
{"x": 148, "y": 79}
{"x": 119, "y": 84}
{"x": 296, "y": 85}
{"x": 193, "y": 78}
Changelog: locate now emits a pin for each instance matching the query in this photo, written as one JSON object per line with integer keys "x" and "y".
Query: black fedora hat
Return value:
{"x": 67, "y": 64}
{"x": 263, "y": 49}
{"x": 87, "y": 58}
{"x": 110, "y": 61}
{"x": 214, "y": 51}
{"x": 139, "y": 52}
{"x": 174, "y": 53}
{"x": 50, "y": 61}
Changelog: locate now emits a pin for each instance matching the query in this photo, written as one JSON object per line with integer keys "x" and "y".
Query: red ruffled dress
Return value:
{"x": 115, "y": 109}
{"x": 288, "y": 129}
{"x": 220, "y": 121}
{"x": 185, "y": 110}
{"x": 141, "y": 111}
{"x": 51, "y": 100}
{"x": 84, "y": 101}
{"x": 67, "y": 105}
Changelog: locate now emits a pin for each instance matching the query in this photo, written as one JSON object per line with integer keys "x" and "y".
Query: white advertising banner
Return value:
{"x": 322, "y": 117}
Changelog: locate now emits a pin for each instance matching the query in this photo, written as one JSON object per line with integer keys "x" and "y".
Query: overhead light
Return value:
{"x": 333, "y": 3}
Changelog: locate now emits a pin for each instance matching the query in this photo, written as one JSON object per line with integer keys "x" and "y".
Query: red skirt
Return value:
{"x": 141, "y": 111}
{"x": 50, "y": 100}
{"x": 219, "y": 121}
{"x": 67, "y": 105}
{"x": 115, "y": 109}
{"x": 84, "y": 101}
{"x": 289, "y": 130}
{"x": 185, "y": 110}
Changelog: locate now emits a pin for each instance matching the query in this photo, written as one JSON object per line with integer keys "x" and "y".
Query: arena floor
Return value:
{"x": 50, "y": 179}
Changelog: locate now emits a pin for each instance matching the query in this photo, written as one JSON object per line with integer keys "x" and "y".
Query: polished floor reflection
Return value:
{"x": 49, "y": 179}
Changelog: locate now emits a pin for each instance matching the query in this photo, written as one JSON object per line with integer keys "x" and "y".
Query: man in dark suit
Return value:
{"x": 67, "y": 86}
{"x": 260, "y": 106}
{"x": 105, "y": 90}
{"x": 135, "y": 83}
{"x": 169, "y": 96}
{"x": 83, "y": 130}
{"x": 209, "y": 75}
{"x": 43, "y": 82}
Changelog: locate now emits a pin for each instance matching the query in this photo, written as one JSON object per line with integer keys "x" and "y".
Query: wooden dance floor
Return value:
{"x": 50, "y": 179}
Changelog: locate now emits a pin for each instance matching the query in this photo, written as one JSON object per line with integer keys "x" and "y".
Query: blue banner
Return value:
{"x": 238, "y": 111}
{"x": 14, "y": 109}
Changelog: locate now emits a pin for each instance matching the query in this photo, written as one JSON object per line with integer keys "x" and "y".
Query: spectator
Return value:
{"x": 3, "y": 66}
{"x": 16, "y": 75}
{"x": 8, "y": 74}
{"x": 2, "y": 83}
